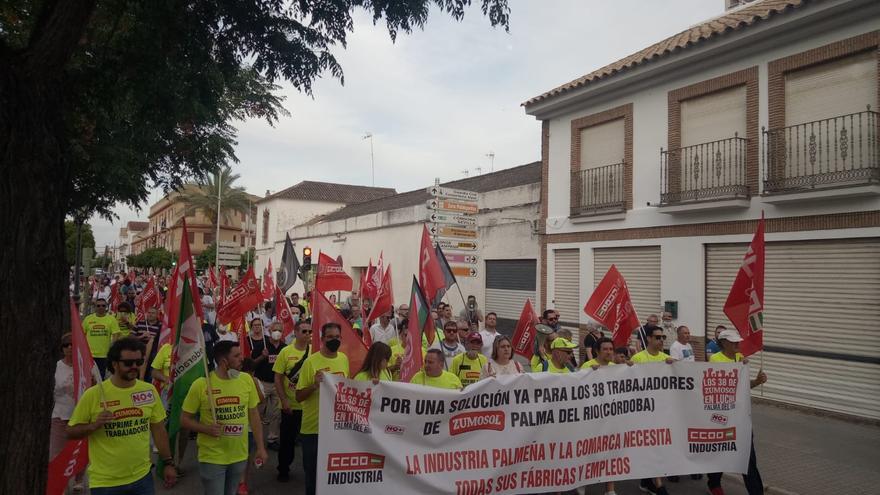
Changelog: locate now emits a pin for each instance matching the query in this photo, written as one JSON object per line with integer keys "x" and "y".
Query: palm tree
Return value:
{"x": 203, "y": 196}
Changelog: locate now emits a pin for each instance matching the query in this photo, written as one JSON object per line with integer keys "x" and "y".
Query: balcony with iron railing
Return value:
{"x": 710, "y": 171}
{"x": 830, "y": 153}
{"x": 598, "y": 190}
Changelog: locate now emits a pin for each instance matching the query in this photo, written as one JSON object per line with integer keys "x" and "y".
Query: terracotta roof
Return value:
{"x": 511, "y": 177}
{"x": 137, "y": 226}
{"x": 729, "y": 21}
{"x": 329, "y": 191}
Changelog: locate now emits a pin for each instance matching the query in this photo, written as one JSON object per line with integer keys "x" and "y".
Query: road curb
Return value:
{"x": 772, "y": 490}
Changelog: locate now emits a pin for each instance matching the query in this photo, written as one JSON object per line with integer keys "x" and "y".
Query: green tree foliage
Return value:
{"x": 203, "y": 196}
{"x": 87, "y": 240}
{"x": 157, "y": 257}
{"x": 247, "y": 259}
{"x": 206, "y": 257}
{"x": 102, "y": 262}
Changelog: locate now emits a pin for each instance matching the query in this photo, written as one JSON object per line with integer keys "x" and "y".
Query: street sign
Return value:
{"x": 446, "y": 192}
{"x": 456, "y": 244}
{"x": 229, "y": 253}
{"x": 464, "y": 271}
{"x": 461, "y": 258}
{"x": 453, "y": 206}
{"x": 452, "y": 219}
{"x": 453, "y": 232}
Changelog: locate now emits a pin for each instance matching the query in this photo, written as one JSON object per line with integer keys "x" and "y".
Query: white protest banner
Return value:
{"x": 534, "y": 433}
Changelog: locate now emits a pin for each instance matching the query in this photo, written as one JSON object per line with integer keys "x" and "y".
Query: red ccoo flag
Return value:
{"x": 525, "y": 333}
{"x": 240, "y": 328}
{"x": 323, "y": 312}
{"x": 245, "y": 297}
{"x": 147, "y": 299}
{"x": 611, "y": 306}
{"x": 745, "y": 303}
{"x": 331, "y": 275}
{"x": 384, "y": 298}
{"x": 211, "y": 282}
{"x": 366, "y": 277}
{"x": 431, "y": 278}
{"x": 268, "y": 282}
{"x": 282, "y": 312}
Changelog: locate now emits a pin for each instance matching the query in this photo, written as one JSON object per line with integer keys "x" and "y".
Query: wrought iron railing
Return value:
{"x": 598, "y": 190}
{"x": 824, "y": 153}
{"x": 713, "y": 170}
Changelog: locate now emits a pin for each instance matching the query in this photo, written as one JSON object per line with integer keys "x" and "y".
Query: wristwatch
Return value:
{"x": 169, "y": 462}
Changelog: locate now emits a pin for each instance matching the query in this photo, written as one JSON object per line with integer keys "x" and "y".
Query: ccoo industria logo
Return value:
{"x": 719, "y": 389}
{"x": 354, "y": 468}
{"x": 702, "y": 440}
{"x": 351, "y": 409}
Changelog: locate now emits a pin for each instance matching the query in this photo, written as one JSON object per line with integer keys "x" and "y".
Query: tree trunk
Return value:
{"x": 33, "y": 274}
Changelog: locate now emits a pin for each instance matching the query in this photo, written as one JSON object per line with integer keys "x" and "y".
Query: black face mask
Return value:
{"x": 333, "y": 344}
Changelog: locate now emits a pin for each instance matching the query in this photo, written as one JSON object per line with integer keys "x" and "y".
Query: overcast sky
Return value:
{"x": 439, "y": 100}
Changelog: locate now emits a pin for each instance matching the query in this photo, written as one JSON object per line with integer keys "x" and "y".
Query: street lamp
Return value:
{"x": 369, "y": 135}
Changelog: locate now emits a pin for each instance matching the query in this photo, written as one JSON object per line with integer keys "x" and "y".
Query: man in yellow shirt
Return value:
{"x": 604, "y": 355}
{"x": 125, "y": 319}
{"x": 653, "y": 352}
{"x": 467, "y": 366}
{"x": 222, "y": 427}
{"x": 433, "y": 375}
{"x": 328, "y": 360}
{"x": 118, "y": 415}
{"x": 287, "y": 367}
{"x": 729, "y": 341}
{"x": 99, "y": 328}
{"x": 561, "y": 350}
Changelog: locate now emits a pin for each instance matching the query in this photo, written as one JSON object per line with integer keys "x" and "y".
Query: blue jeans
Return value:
{"x": 143, "y": 486}
{"x": 221, "y": 479}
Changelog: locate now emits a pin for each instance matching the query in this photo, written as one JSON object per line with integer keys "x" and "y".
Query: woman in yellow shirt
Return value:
{"x": 375, "y": 367}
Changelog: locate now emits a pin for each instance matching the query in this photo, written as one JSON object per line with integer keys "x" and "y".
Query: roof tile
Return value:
{"x": 308, "y": 190}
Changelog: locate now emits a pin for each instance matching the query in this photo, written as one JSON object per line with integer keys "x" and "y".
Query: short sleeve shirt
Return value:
{"x": 284, "y": 364}
{"x": 98, "y": 330}
{"x": 314, "y": 363}
{"x": 445, "y": 380}
{"x": 643, "y": 357}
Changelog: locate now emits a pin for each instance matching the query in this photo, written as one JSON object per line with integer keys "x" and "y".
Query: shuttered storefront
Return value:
{"x": 508, "y": 284}
{"x": 822, "y": 308}
{"x": 640, "y": 266}
{"x": 567, "y": 288}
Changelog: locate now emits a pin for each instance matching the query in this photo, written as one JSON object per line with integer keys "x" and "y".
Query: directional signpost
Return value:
{"x": 453, "y": 226}
{"x": 461, "y": 258}
{"x": 445, "y": 192}
{"x": 229, "y": 253}
{"x": 464, "y": 271}
{"x": 453, "y": 232}
{"x": 452, "y": 205}
{"x": 464, "y": 220}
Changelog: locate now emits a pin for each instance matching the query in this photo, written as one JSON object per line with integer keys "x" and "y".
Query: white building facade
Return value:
{"x": 507, "y": 258}
{"x": 663, "y": 162}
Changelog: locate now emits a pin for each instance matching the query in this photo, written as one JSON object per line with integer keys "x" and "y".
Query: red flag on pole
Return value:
{"x": 368, "y": 291}
{"x": 240, "y": 328}
{"x": 525, "y": 333}
{"x": 183, "y": 268}
{"x": 223, "y": 284}
{"x": 147, "y": 299}
{"x": 431, "y": 277}
{"x": 610, "y": 305}
{"x": 384, "y": 301}
{"x": 745, "y": 303}
{"x": 115, "y": 297}
{"x": 74, "y": 458}
{"x": 419, "y": 319}
{"x": 282, "y": 312}
{"x": 377, "y": 275}
{"x": 268, "y": 283}
{"x": 352, "y": 346}
{"x": 212, "y": 278}
{"x": 330, "y": 275}
{"x": 245, "y": 297}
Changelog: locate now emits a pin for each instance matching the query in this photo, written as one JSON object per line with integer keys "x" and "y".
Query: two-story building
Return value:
{"x": 663, "y": 162}
{"x": 127, "y": 236}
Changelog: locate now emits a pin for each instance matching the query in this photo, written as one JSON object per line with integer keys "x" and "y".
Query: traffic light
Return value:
{"x": 307, "y": 259}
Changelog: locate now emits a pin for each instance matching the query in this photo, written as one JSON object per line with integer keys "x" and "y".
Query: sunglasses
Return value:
{"x": 661, "y": 337}
{"x": 553, "y": 319}
{"x": 100, "y": 305}
{"x": 307, "y": 332}
{"x": 131, "y": 362}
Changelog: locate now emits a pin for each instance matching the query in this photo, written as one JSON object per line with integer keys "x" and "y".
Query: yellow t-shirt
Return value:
{"x": 314, "y": 363}
{"x": 397, "y": 352}
{"x": 536, "y": 364}
{"x": 643, "y": 357}
{"x": 551, "y": 368}
{"x": 719, "y": 357}
{"x": 445, "y": 380}
{"x": 592, "y": 362}
{"x": 466, "y": 369}
{"x": 162, "y": 361}
{"x": 98, "y": 330}
{"x": 364, "y": 376}
{"x": 439, "y": 336}
{"x": 119, "y": 452}
{"x": 122, "y": 331}
{"x": 233, "y": 398}
{"x": 284, "y": 362}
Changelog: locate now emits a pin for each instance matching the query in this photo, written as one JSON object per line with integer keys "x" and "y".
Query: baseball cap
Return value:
{"x": 474, "y": 337}
{"x": 730, "y": 336}
{"x": 562, "y": 343}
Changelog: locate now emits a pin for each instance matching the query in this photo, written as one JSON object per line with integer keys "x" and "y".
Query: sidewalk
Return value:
{"x": 798, "y": 453}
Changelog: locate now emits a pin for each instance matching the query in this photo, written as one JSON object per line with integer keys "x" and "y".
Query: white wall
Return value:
{"x": 650, "y": 118}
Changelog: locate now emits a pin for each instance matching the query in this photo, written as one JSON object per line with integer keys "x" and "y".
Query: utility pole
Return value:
{"x": 217, "y": 238}
{"x": 491, "y": 156}
{"x": 369, "y": 135}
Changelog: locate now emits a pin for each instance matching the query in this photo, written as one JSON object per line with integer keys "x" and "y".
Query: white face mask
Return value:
{"x": 276, "y": 335}
{"x": 234, "y": 373}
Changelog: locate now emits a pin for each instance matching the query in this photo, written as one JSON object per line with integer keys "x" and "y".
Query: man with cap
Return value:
{"x": 561, "y": 350}
{"x": 729, "y": 341}
{"x": 467, "y": 366}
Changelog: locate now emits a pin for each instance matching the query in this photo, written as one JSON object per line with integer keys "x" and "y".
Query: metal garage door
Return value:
{"x": 508, "y": 284}
{"x": 822, "y": 305}
{"x": 567, "y": 287}
{"x": 640, "y": 266}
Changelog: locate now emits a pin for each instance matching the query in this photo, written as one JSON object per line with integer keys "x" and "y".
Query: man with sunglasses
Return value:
{"x": 287, "y": 366}
{"x": 118, "y": 415}
{"x": 99, "y": 328}
{"x": 328, "y": 360}
{"x": 550, "y": 317}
